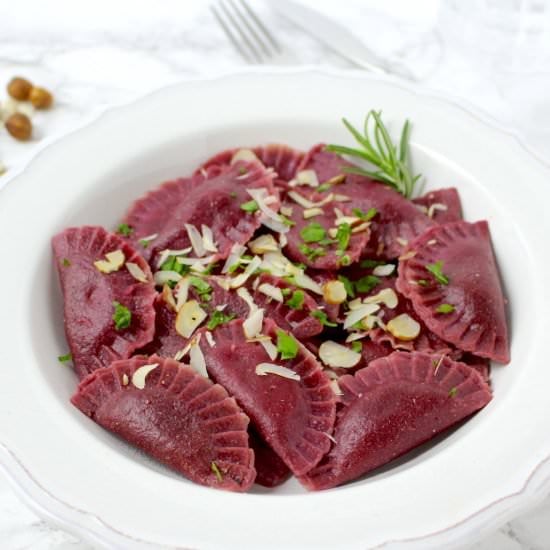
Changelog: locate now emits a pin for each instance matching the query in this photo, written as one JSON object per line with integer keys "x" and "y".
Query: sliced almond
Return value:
{"x": 253, "y": 324}
{"x": 208, "y": 239}
{"x": 335, "y": 355}
{"x": 189, "y": 317}
{"x": 270, "y": 348}
{"x": 246, "y": 155}
{"x": 140, "y": 374}
{"x": 113, "y": 262}
{"x": 287, "y": 211}
{"x": 334, "y": 292}
{"x": 371, "y": 321}
{"x": 263, "y": 369}
{"x": 341, "y": 198}
{"x": 181, "y": 292}
{"x": 383, "y": 270}
{"x": 165, "y": 254}
{"x": 359, "y": 313}
{"x": 408, "y": 255}
{"x": 243, "y": 294}
{"x": 272, "y": 291}
{"x": 307, "y": 177}
{"x": 361, "y": 227}
{"x": 386, "y": 296}
{"x": 403, "y": 327}
{"x": 335, "y": 180}
{"x": 163, "y": 277}
{"x": 241, "y": 279}
{"x": 356, "y": 336}
{"x": 263, "y": 244}
{"x": 434, "y": 207}
{"x": 136, "y": 272}
{"x": 306, "y": 203}
{"x": 237, "y": 250}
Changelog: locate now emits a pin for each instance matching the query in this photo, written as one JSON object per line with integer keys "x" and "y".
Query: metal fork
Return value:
{"x": 252, "y": 39}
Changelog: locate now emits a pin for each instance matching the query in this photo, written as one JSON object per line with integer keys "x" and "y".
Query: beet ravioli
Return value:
{"x": 175, "y": 415}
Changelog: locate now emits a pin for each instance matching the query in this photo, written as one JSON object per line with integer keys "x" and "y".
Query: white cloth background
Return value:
{"x": 94, "y": 55}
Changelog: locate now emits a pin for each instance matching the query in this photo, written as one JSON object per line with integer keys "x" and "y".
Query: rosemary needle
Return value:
{"x": 391, "y": 161}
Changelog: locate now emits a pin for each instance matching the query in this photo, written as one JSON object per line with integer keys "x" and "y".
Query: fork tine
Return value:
{"x": 261, "y": 26}
{"x": 249, "y": 26}
{"x": 242, "y": 34}
{"x": 230, "y": 35}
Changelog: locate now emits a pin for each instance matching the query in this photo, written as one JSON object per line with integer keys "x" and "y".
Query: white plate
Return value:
{"x": 95, "y": 485}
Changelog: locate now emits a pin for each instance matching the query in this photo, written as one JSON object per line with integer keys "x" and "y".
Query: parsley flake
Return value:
{"x": 356, "y": 347}
{"x": 250, "y": 206}
{"x": 296, "y": 301}
{"x": 65, "y": 358}
{"x": 453, "y": 391}
{"x": 436, "y": 269}
{"x": 122, "y": 316}
{"x": 233, "y": 194}
{"x": 345, "y": 260}
{"x": 365, "y": 216}
{"x": 313, "y": 233}
{"x": 219, "y": 318}
{"x": 422, "y": 282}
{"x": 311, "y": 253}
{"x": 203, "y": 288}
{"x": 286, "y": 345}
{"x": 125, "y": 229}
{"x": 366, "y": 284}
{"x": 343, "y": 235}
{"x": 66, "y": 262}
{"x": 370, "y": 264}
{"x": 324, "y": 187}
{"x": 286, "y": 221}
{"x": 445, "y": 308}
{"x": 322, "y": 317}
{"x": 348, "y": 285}
{"x": 216, "y": 471}
{"x": 242, "y": 171}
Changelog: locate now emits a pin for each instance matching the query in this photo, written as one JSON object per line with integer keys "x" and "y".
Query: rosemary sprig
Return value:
{"x": 391, "y": 161}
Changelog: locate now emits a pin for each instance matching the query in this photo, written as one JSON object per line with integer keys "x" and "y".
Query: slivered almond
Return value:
{"x": 136, "y": 272}
{"x": 196, "y": 359}
{"x": 263, "y": 369}
{"x": 408, "y": 255}
{"x": 246, "y": 155}
{"x": 287, "y": 211}
{"x": 336, "y": 355}
{"x": 189, "y": 317}
{"x": 383, "y": 270}
{"x": 253, "y": 324}
{"x": 335, "y": 180}
{"x": 307, "y": 177}
{"x": 210, "y": 339}
{"x": 208, "y": 239}
{"x": 434, "y": 207}
{"x": 140, "y": 374}
{"x": 403, "y": 327}
{"x": 356, "y": 336}
{"x": 361, "y": 227}
{"x": 163, "y": 277}
{"x": 312, "y": 212}
{"x": 125, "y": 379}
{"x": 401, "y": 241}
{"x": 263, "y": 244}
{"x": 113, "y": 262}
{"x": 182, "y": 293}
{"x": 196, "y": 240}
{"x": 271, "y": 291}
{"x": 359, "y": 313}
{"x": 270, "y": 348}
{"x": 240, "y": 279}
{"x": 168, "y": 297}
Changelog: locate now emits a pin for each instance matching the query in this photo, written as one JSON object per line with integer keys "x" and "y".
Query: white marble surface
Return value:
{"x": 95, "y": 58}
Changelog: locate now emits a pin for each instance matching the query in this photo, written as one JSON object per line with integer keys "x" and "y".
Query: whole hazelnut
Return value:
{"x": 19, "y": 126}
{"x": 41, "y": 98}
{"x": 19, "y": 88}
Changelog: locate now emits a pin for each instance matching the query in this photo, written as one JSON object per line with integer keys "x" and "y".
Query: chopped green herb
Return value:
{"x": 345, "y": 260}
{"x": 343, "y": 235}
{"x": 65, "y": 358}
{"x": 370, "y": 264}
{"x": 125, "y": 229}
{"x": 422, "y": 282}
{"x": 286, "y": 221}
{"x": 122, "y": 316}
{"x": 66, "y": 262}
{"x": 286, "y": 345}
{"x": 348, "y": 285}
{"x": 286, "y": 291}
{"x": 436, "y": 270}
{"x": 453, "y": 391}
{"x": 296, "y": 301}
{"x": 326, "y": 242}
{"x": 322, "y": 316}
{"x": 311, "y": 253}
{"x": 219, "y": 318}
{"x": 313, "y": 233}
{"x": 299, "y": 265}
{"x": 356, "y": 347}
{"x": 445, "y": 308}
{"x": 210, "y": 268}
{"x": 204, "y": 290}
{"x": 250, "y": 206}
{"x": 216, "y": 471}
{"x": 172, "y": 264}
{"x": 365, "y": 284}
{"x": 371, "y": 212}
{"x": 233, "y": 194}
{"x": 242, "y": 171}
{"x": 323, "y": 187}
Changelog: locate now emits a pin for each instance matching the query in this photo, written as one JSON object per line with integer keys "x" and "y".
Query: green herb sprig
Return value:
{"x": 391, "y": 161}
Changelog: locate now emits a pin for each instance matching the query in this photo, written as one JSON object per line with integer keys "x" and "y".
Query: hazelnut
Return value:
{"x": 19, "y": 88}
{"x": 41, "y": 98}
{"x": 19, "y": 126}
